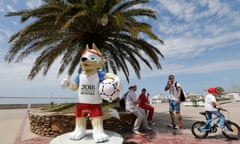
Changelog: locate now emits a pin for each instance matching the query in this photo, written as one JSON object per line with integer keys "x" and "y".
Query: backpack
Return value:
{"x": 182, "y": 94}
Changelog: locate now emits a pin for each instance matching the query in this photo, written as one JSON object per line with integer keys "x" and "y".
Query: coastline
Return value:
{"x": 21, "y": 106}
{"x": 35, "y": 105}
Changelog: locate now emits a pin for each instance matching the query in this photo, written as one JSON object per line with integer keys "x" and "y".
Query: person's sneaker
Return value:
{"x": 176, "y": 127}
{"x": 151, "y": 123}
{"x": 147, "y": 128}
{"x": 138, "y": 132}
{"x": 171, "y": 126}
{"x": 223, "y": 129}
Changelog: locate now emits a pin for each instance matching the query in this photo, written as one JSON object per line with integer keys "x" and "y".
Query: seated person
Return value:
{"x": 131, "y": 106}
{"x": 143, "y": 103}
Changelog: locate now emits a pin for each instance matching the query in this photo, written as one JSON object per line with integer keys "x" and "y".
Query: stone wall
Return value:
{"x": 53, "y": 124}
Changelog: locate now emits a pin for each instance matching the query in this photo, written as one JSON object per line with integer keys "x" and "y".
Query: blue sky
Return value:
{"x": 202, "y": 40}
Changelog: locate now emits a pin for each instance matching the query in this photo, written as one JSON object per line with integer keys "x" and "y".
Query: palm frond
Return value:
{"x": 63, "y": 28}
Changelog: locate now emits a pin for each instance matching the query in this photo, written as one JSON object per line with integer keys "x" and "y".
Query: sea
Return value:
{"x": 36, "y": 100}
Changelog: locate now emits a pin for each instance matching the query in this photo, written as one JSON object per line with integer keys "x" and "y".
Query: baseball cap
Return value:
{"x": 212, "y": 90}
{"x": 131, "y": 86}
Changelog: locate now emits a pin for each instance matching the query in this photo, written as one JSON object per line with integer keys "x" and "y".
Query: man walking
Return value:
{"x": 174, "y": 102}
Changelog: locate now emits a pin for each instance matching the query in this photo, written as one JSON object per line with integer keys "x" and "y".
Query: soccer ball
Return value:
{"x": 109, "y": 90}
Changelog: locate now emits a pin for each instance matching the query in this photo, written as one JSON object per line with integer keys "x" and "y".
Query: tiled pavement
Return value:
{"x": 154, "y": 137}
{"x": 159, "y": 135}
{"x": 37, "y": 140}
{"x": 175, "y": 137}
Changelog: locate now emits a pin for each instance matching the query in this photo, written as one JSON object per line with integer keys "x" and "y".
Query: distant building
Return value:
{"x": 235, "y": 96}
{"x": 157, "y": 99}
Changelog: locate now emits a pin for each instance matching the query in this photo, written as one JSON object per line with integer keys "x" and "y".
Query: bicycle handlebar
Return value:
{"x": 223, "y": 110}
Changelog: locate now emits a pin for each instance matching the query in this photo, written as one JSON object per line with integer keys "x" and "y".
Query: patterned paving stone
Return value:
{"x": 155, "y": 137}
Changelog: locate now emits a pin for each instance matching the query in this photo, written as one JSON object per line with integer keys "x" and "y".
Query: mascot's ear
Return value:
{"x": 87, "y": 46}
{"x": 95, "y": 47}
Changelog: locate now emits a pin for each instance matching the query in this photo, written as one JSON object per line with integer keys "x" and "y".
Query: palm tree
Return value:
{"x": 62, "y": 28}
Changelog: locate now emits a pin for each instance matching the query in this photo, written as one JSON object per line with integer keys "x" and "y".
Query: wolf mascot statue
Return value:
{"x": 89, "y": 102}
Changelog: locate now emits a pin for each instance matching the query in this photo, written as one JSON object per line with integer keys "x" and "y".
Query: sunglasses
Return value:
{"x": 170, "y": 78}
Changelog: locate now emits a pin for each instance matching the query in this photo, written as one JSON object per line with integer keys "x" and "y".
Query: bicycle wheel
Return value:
{"x": 196, "y": 129}
{"x": 232, "y": 130}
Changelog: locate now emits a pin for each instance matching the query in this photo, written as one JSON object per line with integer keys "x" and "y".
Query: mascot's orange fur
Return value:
{"x": 89, "y": 101}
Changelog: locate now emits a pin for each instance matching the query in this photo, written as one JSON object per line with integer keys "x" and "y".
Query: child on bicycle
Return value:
{"x": 212, "y": 106}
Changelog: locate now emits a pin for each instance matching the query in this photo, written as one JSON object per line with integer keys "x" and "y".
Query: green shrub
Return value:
{"x": 64, "y": 107}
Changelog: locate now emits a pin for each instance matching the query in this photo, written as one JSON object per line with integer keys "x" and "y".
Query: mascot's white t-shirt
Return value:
{"x": 88, "y": 89}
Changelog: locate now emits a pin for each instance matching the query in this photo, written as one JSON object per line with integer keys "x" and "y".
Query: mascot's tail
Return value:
{"x": 109, "y": 111}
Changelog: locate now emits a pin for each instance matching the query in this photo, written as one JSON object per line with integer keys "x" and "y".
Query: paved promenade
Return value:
{"x": 14, "y": 126}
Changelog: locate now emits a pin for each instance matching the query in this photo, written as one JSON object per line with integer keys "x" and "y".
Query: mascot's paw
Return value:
{"x": 99, "y": 135}
{"x": 77, "y": 134}
{"x": 65, "y": 82}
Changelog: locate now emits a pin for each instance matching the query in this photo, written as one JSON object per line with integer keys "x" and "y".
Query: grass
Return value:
{"x": 70, "y": 107}
{"x": 64, "y": 107}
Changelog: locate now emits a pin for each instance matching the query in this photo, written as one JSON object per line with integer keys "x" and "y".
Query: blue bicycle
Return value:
{"x": 200, "y": 129}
